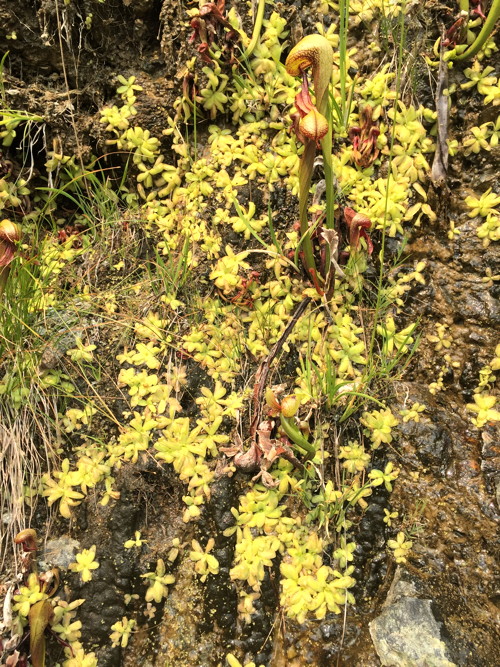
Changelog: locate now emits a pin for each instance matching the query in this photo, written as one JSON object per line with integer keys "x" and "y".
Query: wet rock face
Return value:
{"x": 454, "y": 516}
{"x": 256, "y": 638}
{"x": 370, "y": 541}
{"x": 490, "y": 464}
{"x": 430, "y": 442}
{"x": 221, "y": 600}
{"x": 469, "y": 301}
{"x": 119, "y": 569}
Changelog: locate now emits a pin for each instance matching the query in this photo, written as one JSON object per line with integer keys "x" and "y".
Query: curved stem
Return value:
{"x": 326, "y": 147}
{"x": 256, "y": 29}
{"x": 486, "y": 31}
{"x": 297, "y": 438}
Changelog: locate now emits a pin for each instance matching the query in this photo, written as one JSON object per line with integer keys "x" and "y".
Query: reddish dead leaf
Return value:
{"x": 248, "y": 461}
{"x": 478, "y": 10}
{"x": 271, "y": 448}
{"x": 457, "y": 33}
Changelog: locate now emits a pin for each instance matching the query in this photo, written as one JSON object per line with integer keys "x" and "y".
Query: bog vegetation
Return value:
{"x": 220, "y": 300}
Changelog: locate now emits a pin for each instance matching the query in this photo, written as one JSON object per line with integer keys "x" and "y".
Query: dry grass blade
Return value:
{"x": 26, "y": 450}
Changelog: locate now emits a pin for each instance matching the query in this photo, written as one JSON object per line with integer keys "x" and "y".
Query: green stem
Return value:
{"x": 326, "y": 147}
{"x": 305, "y": 178}
{"x": 297, "y": 438}
{"x": 256, "y": 29}
{"x": 4, "y": 274}
{"x": 486, "y": 31}
{"x": 343, "y": 30}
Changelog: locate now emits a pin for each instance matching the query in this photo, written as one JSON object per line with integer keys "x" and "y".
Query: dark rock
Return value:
{"x": 221, "y": 599}
{"x": 432, "y": 442}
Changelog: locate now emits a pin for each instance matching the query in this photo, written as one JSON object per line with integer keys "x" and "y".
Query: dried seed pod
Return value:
{"x": 248, "y": 461}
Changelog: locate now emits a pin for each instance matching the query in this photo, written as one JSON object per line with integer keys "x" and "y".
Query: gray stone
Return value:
{"x": 60, "y": 552}
{"x": 406, "y": 634}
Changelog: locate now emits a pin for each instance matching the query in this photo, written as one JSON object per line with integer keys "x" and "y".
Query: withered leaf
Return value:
{"x": 440, "y": 164}
{"x": 40, "y": 615}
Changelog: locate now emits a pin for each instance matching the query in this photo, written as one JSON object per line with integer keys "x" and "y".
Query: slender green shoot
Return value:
{"x": 256, "y": 30}
{"x": 2, "y": 84}
{"x": 343, "y": 33}
{"x": 378, "y": 305}
{"x": 171, "y": 271}
{"x": 297, "y": 438}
